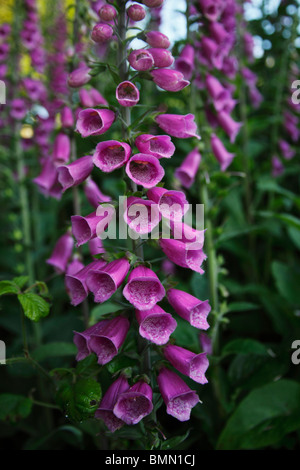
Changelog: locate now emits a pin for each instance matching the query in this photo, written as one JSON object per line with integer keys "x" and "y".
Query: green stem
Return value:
{"x": 126, "y": 121}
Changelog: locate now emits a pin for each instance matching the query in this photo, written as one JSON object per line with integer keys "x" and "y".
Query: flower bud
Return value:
{"x": 136, "y": 12}
{"x": 107, "y": 13}
{"x": 102, "y": 33}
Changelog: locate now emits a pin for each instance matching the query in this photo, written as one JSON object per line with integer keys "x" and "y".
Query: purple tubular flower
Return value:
{"x": 206, "y": 343}
{"x": 136, "y": 12}
{"x": 222, "y": 155}
{"x": 62, "y": 253}
{"x": 287, "y": 152}
{"x": 104, "y": 284}
{"x": 141, "y": 215}
{"x": 218, "y": 32}
{"x": 102, "y": 33}
{"x": 85, "y": 98}
{"x": 93, "y": 193}
{"x": 81, "y": 340}
{"x": 96, "y": 246}
{"x": 75, "y": 173}
{"x": 157, "y": 39}
{"x": 172, "y": 205}
{"x": 160, "y": 146}
{"x": 97, "y": 98}
{"x": 105, "y": 410}
{"x": 188, "y": 363}
{"x": 211, "y": 9}
{"x": 86, "y": 228}
{"x": 79, "y": 77}
{"x": 18, "y": 109}
{"x": 153, "y": 3}
{"x": 230, "y": 126}
{"x": 255, "y": 96}
{"x": 106, "y": 342}
{"x": 145, "y": 170}
{"x": 156, "y": 325}
{"x": 178, "y": 125}
{"x": 190, "y": 308}
{"x": 170, "y": 80}
{"x": 62, "y": 148}
{"x": 277, "y": 167}
{"x": 178, "y": 397}
{"x": 212, "y": 52}
{"x": 188, "y": 169}
{"x": 187, "y": 234}
{"x": 76, "y": 282}
{"x": 94, "y": 121}
{"x": 141, "y": 60}
{"x": 48, "y": 176}
{"x": 127, "y": 94}
{"x": 185, "y": 62}
{"x": 134, "y": 404}
{"x": 186, "y": 255}
{"x": 67, "y": 119}
{"x": 162, "y": 57}
{"x": 74, "y": 266}
{"x": 111, "y": 155}
{"x": 216, "y": 90}
{"x": 143, "y": 289}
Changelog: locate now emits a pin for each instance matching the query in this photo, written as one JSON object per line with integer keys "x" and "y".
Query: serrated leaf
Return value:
{"x": 8, "y": 287}
{"x": 14, "y": 407}
{"x": 79, "y": 400}
{"x": 265, "y": 416}
{"x": 34, "y": 306}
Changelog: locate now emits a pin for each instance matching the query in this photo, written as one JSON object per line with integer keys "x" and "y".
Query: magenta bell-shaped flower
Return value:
{"x": 75, "y": 173}
{"x": 186, "y": 62}
{"x": 79, "y": 77}
{"x": 277, "y": 167}
{"x": 143, "y": 289}
{"x": 188, "y": 363}
{"x": 153, "y": 3}
{"x": 93, "y": 193}
{"x": 18, "y": 109}
{"x": 74, "y": 266}
{"x": 96, "y": 247}
{"x": 82, "y": 339}
{"x": 97, "y": 98}
{"x": 188, "y": 169}
{"x": 160, "y": 146}
{"x": 134, "y": 404}
{"x": 172, "y": 205}
{"x": 105, "y": 283}
{"x": 94, "y": 121}
{"x": 127, "y": 94}
{"x": 62, "y": 148}
{"x": 106, "y": 342}
{"x": 212, "y": 52}
{"x": 186, "y": 255}
{"x": 141, "y": 60}
{"x": 187, "y": 234}
{"x": 102, "y": 33}
{"x": 62, "y": 253}
{"x": 157, "y": 39}
{"x": 111, "y": 155}
{"x": 190, "y": 308}
{"x": 156, "y": 325}
{"x": 178, "y": 125}
{"x": 162, "y": 57}
{"x": 178, "y": 397}
{"x": 141, "y": 215}
{"x": 85, "y": 98}
{"x": 211, "y": 9}
{"x": 105, "y": 410}
{"x": 145, "y": 170}
{"x": 222, "y": 155}
{"x": 136, "y": 12}
{"x": 287, "y": 152}
{"x": 169, "y": 80}
{"x": 48, "y": 176}
{"x": 88, "y": 227}
{"x": 218, "y": 93}
{"x": 230, "y": 126}
{"x": 76, "y": 282}
{"x": 67, "y": 119}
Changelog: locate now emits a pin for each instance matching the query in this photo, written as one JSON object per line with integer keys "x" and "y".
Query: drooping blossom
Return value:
{"x": 105, "y": 410}
{"x": 160, "y": 146}
{"x": 172, "y": 204}
{"x": 190, "y": 308}
{"x": 188, "y": 169}
{"x": 94, "y": 121}
{"x": 103, "y": 284}
{"x": 155, "y": 324}
{"x": 76, "y": 282}
{"x": 178, "y": 125}
{"x": 111, "y": 154}
{"x": 145, "y": 170}
{"x": 141, "y": 215}
{"x": 222, "y": 155}
{"x": 127, "y": 94}
{"x": 76, "y": 172}
{"x": 134, "y": 404}
{"x": 143, "y": 289}
{"x": 62, "y": 253}
{"x": 170, "y": 80}
{"x": 188, "y": 363}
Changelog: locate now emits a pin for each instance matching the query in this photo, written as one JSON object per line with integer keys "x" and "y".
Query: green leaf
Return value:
{"x": 263, "y": 418}
{"x": 241, "y": 306}
{"x": 79, "y": 400}
{"x": 21, "y": 281}
{"x": 174, "y": 441}
{"x": 100, "y": 310}
{"x": 120, "y": 362}
{"x": 57, "y": 349}
{"x": 8, "y": 287}
{"x": 287, "y": 281}
{"x": 245, "y": 346}
{"x": 14, "y": 407}
{"x": 288, "y": 219}
{"x": 34, "y": 306}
